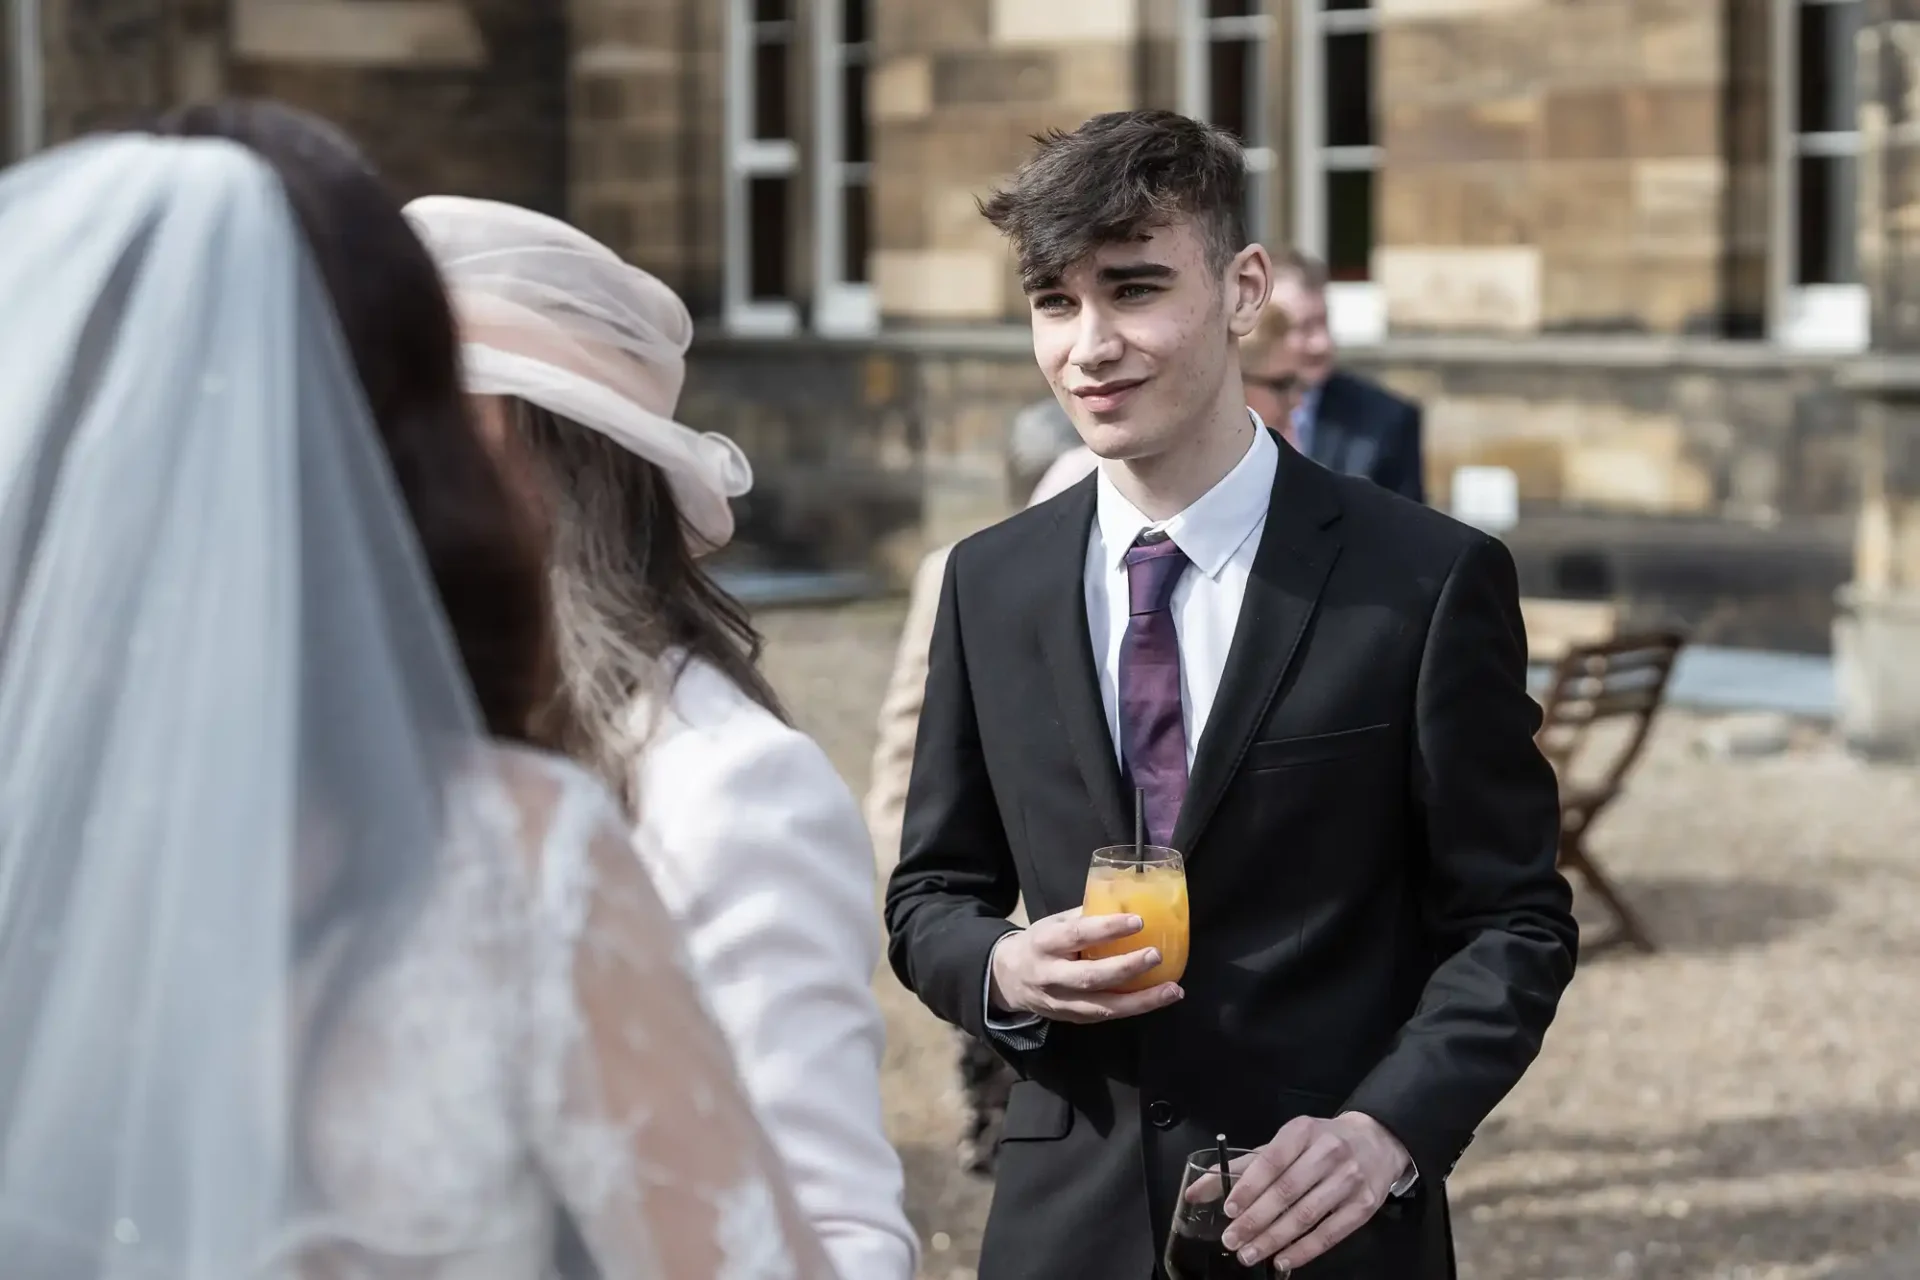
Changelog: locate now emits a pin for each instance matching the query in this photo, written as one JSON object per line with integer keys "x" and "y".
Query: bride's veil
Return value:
{"x": 229, "y": 705}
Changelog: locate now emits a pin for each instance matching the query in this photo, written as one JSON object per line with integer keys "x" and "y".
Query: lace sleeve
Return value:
{"x": 638, "y": 1115}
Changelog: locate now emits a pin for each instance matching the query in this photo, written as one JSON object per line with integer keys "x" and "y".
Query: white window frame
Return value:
{"x": 747, "y": 158}
{"x": 1829, "y": 317}
{"x": 1198, "y": 31}
{"x": 1356, "y": 310}
{"x": 842, "y": 307}
{"x": 29, "y": 79}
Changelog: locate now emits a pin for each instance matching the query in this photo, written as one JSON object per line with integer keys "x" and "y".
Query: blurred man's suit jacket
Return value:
{"x": 1357, "y": 427}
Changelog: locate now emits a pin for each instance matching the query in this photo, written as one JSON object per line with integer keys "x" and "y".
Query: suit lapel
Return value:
{"x": 1067, "y": 642}
{"x": 1297, "y": 551}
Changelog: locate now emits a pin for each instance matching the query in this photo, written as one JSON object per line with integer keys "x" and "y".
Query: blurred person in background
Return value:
{"x": 1040, "y": 440}
{"x": 1044, "y": 458}
{"x": 310, "y": 965}
{"x": 576, "y": 360}
{"x": 1269, "y": 372}
{"x": 1344, "y": 421}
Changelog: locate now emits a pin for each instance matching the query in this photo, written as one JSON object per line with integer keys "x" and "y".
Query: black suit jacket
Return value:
{"x": 1370, "y": 833}
{"x": 1362, "y": 429}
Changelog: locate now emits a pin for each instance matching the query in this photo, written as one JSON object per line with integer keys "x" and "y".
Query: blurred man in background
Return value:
{"x": 1044, "y": 457}
{"x": 1345, "y": 422}
{"x": 1270, "y": 374}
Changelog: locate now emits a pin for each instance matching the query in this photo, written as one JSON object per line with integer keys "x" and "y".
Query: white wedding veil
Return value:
{"x": 229, "y": 705}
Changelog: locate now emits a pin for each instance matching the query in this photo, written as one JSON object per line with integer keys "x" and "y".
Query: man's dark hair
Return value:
{"x": 1117, "y": 178}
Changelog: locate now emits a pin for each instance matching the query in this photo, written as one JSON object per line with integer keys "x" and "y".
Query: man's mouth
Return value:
{"x": 1105, "y": 397}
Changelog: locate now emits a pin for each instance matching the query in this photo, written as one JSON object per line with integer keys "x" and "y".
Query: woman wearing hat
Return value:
{"x": 576, "y": 360}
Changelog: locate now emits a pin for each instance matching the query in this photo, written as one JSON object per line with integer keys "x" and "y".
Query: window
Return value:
{"x": 843, "y": 39}
{"x": 1224, "y": 55}
{"x": 1337, "y": 156}
{"x": 1819, "y": 300}
{"x": 763, "y": 165}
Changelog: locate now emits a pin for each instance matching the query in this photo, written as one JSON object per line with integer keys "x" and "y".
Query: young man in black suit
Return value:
{"x": 1319, "y": 690}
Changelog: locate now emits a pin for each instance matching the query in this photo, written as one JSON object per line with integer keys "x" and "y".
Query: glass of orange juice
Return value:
{"x": 1149, "y": 882}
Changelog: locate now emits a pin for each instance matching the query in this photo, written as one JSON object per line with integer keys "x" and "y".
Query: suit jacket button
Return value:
{"x": 1160, "y": 1114}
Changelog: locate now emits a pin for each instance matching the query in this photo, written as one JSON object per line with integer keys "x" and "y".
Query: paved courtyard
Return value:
{"x": 1744, "y": 1105}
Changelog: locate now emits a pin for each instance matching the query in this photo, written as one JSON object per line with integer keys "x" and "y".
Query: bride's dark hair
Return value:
{"x": 485, "y": 559}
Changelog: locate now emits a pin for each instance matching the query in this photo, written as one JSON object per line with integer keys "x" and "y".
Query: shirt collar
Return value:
{"x": 1212, "y": 528}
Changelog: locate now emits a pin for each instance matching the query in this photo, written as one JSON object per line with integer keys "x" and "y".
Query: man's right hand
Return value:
{"x": 1039, "y": 971}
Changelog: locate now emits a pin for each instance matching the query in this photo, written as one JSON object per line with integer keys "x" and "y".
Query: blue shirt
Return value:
{"x": 1303, "y": 418}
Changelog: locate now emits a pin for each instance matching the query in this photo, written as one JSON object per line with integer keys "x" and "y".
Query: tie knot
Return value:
{"x": 1154, "y": 566}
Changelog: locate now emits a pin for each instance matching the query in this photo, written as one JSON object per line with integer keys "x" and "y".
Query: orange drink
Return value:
{"x": 1151, "y": 884}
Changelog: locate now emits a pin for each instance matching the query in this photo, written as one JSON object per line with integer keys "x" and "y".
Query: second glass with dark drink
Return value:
{"x": 1194, "y": 1251}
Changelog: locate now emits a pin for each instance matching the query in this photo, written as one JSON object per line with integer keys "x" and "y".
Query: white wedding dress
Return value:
{"x": 302, "y": 975}
{"x": 536, "y": 1044}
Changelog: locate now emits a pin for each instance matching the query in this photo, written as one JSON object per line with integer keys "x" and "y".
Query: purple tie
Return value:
{"x": 1153, "y": 738}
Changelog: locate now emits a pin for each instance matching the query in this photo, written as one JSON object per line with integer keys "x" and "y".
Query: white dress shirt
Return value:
{"x": 759, "y": 849}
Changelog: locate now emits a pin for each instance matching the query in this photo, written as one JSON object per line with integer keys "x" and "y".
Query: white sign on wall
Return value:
{"x": 359, "y": 33}
{"x": 1488, "y": 498}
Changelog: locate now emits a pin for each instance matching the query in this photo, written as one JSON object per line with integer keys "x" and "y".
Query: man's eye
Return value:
{"x": 1134, "y": 292}
{"x": 1051, "y": 302}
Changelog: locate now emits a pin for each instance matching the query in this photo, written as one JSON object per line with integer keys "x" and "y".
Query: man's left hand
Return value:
{"x": 1315, "y": 1184}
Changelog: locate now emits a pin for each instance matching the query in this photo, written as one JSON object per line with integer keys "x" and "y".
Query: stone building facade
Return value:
{"x": 1650, "y": 254}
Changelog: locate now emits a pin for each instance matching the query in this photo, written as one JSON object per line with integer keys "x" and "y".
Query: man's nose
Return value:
{"x": 1095, "y": 340}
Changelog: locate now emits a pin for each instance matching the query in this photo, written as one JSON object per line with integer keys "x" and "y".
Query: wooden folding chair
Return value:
{"x": 1622, "y": 682}
{"x": 1554, "y": 626}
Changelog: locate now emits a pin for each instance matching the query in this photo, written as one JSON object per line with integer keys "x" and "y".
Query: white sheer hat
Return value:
{"x": 554, "y": 317}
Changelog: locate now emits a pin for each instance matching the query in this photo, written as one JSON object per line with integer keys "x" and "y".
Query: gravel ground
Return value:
{"x": 1737, "y": 1106}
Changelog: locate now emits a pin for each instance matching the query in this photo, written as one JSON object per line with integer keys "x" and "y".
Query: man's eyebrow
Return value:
{"x": 1136, "y": 271}
{"x": 1110, "y": 275}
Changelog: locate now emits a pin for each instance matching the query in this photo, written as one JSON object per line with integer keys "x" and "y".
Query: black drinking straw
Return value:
{"x": 1220, "y": 1145}
{"x": 1140, "y": 830}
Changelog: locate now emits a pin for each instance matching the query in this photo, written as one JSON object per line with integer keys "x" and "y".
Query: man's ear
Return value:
{"x": 1249, "y": 284}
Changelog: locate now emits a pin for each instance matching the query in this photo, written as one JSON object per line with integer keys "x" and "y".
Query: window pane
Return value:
{"x": 1232, "y": 8}
{"x": 1350, "y": 224}
{"x": 853, "y": 21}
{"x": 1827, "y": 67}
{"x": 854, "y": 211}
{"x": 1233, "y": 88}
{"x": 1825, "y": 214}
{"x": 772, "y": 10}
{"x": 1349, "y": 89}
{"x": 770, "y": 89}
{"x": 767, "y": 238}
{"x": 853, "y": 106}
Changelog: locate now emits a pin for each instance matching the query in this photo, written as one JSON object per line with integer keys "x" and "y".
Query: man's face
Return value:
{"x": 1137, "y": 339}
{"x": 1274, "y": 385}
{"x": 1309, "y": 342}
